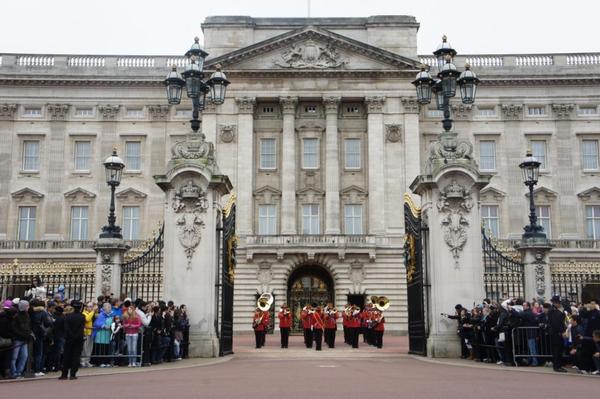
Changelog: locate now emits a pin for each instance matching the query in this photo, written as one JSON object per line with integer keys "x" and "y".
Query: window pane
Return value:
{"x": 131, "y": 222}
{"x": 543, "y": 213}
{"x": 133, "y": 152}
{"x": 538, "y": 148}
{"x": 82, "y": 155}
{"x": 310, "y": 219}
{"x": 267, "y": 220}
{"x": 310, "y": 150}
{"x": 79, "y": 223}
{"x": 590, "y": 154}
{"x": 353, "y": 219}
{"x": 352, "y": 151}
{"x": 592, "y": 213}
{"x": 489, "y": 215}
{"x": 31, "y": 155}
{"x": 487, "y": 155}
{"x": 27, "y": 223}
{"x": 268, "y": 156}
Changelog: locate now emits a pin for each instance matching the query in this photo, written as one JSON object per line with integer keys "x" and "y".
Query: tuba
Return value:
{"x": 381, "y": 303}
{"x": 264, "y": 302}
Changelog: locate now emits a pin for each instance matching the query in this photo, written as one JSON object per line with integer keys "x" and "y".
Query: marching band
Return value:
{"x": 321, "y": 323}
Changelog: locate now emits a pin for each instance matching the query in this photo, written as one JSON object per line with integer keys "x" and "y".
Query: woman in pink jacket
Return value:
{"x": 131, "y": 326}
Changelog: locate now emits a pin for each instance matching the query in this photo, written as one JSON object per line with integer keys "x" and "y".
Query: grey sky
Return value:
{"x": 168, "y": 26}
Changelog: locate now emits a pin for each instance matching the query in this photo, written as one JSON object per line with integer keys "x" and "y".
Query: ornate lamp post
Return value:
{"x": 114, "y": 168}
{"x": 530, "y": 168}
{"x": 196, "y": 88}
{"x": 444, "y": 88}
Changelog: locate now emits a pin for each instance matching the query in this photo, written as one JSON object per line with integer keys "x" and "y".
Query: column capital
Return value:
{"x": 108, "y": 111}
{"x": 209, "y": 108}
{"x": 245, "y": 104}
{"x": 375, "y": 104}
{"x": 410, "y": 105}
{"x": 331, "y": 104}
{"x": 288, "y": 104}
{"x": 58, "y": 112}
{"x": 7, "y": 111}
{"x": 159, "y": 111}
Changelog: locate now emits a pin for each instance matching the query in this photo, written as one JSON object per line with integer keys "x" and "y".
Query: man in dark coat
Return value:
{"x": 74, "y": 337}
{"x": 556, "y": 329}
{"x": 22, "y": 334}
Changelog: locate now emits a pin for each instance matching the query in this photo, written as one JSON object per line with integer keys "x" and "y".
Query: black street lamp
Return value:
{"x": 196, "y": 87}
{"x": 445, "y": 88}
{"x": 114, "y": 168}
{"x": 530, "y": 168}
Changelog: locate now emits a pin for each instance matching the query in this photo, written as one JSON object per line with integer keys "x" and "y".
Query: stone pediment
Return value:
{"x": 131, "y": 194}
{"x": 590, "y": 193}
{"x": 491, "y": 193}
{"x": 27, "y": 193}
{"x": 310, "y": 194}
{"x": 354, "y": 194}
{"x": 312, "y": 48}
{"x": 267, "y": 194}
{"x": 79, "y": 192}
{"x": 543, "y": 192}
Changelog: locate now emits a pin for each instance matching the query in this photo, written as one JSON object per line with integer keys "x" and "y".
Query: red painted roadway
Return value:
{"x": 301, "y": 373}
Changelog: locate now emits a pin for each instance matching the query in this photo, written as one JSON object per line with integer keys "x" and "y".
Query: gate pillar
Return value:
{"x": 535, "y": 255}
{"x": 449, "y": 190}
{"x": 109, "y": 258}
{"x": 194, "y": 187}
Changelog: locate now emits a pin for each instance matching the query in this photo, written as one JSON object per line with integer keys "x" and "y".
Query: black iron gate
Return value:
{"x": 142, "y": 277}
{"x": 503, "y": 277}
{"x": 227, "y": 277}
{"x": 413, "y": 259}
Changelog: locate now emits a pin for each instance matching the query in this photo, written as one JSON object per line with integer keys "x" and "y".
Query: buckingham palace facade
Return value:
{"x": 321, "y": 136}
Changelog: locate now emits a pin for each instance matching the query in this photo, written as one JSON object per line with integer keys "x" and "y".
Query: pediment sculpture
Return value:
{"x": 310, "y": 55}
{"x": 454, "y": 203}
{"x": 188, "y": 203}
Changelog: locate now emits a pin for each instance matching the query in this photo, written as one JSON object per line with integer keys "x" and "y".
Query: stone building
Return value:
{"x": 321, "y": 136}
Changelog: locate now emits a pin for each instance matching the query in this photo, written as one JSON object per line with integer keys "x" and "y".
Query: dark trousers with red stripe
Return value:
{"x": 330, "y": 337}
{"x": 308, "y": 337}
{"x": 285, "y": 336}
{"x": 318, "y": 334}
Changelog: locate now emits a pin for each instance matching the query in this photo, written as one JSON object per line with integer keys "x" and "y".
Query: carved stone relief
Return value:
{"x": 264, "y": 275}
{"x": 194, "y": 146}
{"x": 512, "y": 111}
{"x": 245, "y": 104}
{"x": 461, "y": 111}
{"x": 454, "y": 203}
{"x": 109, "y": 111}
{"x": 227, "y": 133}
{"x": 310, "y": 55}
{"x": 393, "y": 132}
{"x": 106, "y": 277}
{"x": 58, "y": 112}
{"x": 375, "y": 104}
{"x": 189, "y": 202}
{"x": 7, "y": 111}
{"x": 563, "y": 111}
{"x": 410, "y": 105}
{"x": 357, "y": 275}
{"x": 158, "y": 112}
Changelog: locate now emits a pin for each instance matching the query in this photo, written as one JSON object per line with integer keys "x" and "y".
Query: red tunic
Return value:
{"x": 305, "y": 317}
{"x": 380, "y": 326}
{"x": 354, "y": 321}
{"x": 316, "y": 321}
{"x": 285, "y": 321}
{"x": 331, "y": 321}
{"x": 264, "y": 324}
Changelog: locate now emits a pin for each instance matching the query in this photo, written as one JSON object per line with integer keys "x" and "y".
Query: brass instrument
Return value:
{"x": 382, "y": 303}
{"x": 264, "y": 302}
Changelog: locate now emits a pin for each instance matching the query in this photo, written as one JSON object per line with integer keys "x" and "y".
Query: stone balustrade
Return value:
{"x": 333, "y": 241}
{"x": 559, "y": 243}
{"x": 56, "y": 244}
{"x": 520, "y": 60}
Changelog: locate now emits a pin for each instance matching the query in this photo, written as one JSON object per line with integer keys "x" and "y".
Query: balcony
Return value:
{"x": 558, "y": 244}
{"x": 55, "y": 244}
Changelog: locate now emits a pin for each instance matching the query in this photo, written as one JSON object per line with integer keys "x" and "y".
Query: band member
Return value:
{"x": 365, "y": 324}
{"x": 318, "y": 324}
{"x": 378, "y": 328}
{"x": 285, "y": 323}
{"x": 305, "y": 320}
{"x": 354, "y": 324}
{"x": 346, "y": 324}
{"x": 331, "y": 316}
{"x": 260, "y": 323}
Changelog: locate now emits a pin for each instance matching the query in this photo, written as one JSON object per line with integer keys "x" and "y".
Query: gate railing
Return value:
{"x": 76, "y": 278}
{"x": 142, "y": 276}
{"x": 570, "y": 278}
{"x": 503, "y": 276}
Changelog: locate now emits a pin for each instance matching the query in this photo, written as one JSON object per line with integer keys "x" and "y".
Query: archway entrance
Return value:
{"x": 309, "y": 284}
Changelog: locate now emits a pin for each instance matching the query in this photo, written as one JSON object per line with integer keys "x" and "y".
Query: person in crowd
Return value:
{"x": 596, "y": 351}
{"x": 331, "y": 317}
{"x": 36, "y": 290}
{"x": 101, "y": 336}
{"x": 58, "y": 340}
{"x": 186, "y": 331}
{"x": 177, "y": 333}
{"x": 131, "y": 327}
{"x": 40, "y": 322}
{"x": 556, "y": 329}
{"x": 285, "y": 323}
{"x": 117, "y": 339}
{"x": 89, "y": 313}
{"x": 317, "y": 325}
{"x": 6, "y": 338}
{"x": 464, "y": 328}
{"x": 74, "y": 326}
{"x": 22, "y": 335}
{"x": 529, "y": 320}
{"x": 580, "y": 357}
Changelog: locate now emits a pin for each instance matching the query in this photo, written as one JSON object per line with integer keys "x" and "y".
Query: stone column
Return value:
{"x": 244, "y": 183}
{"x": 376, "y": 165}
{"x": 7, "y": 121}
{"x": 209, "y": 122}
{"x": 288, "y": 168}
{"x": 332, "y": 168}
{"x": 449, "y": 189}
{"x": 536, "y": 261}
{"x": 193, "y": 187}
{"x": 110, "y": 254}
{"x": 412, "y": 138}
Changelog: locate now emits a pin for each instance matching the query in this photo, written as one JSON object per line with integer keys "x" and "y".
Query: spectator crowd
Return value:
{"x": 42, "y": 332}
{"x": 557, "y": 334}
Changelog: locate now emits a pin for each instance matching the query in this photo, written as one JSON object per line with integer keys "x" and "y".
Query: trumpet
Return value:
{"x": 285, "y": 311}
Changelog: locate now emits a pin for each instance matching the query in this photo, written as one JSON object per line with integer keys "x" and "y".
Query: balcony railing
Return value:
{"x": 320, "y": 241}
{"x": 561, "y": 244}
{"x": 56, "y": 244}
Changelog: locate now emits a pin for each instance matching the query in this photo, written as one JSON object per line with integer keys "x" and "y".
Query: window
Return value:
{"x": 353, "y": 219}
{"x": 352, "y": 109}
{"x": 536, "y": 111}
{"x": 543, "y": 214}
{"x": 79, "y": 223}
{"x": 592, "y": 218}
{"x": 267, "y": 220}
{"x": 133, "y": 155}
{"x": 310, "y": 153}
{"x": 489, "y": 217}
{"x": 135, "y": 113}
{"x": 352, "y": 153}
{"x": 268, "y": 109}
{"x": 310, "y": 219}
{"x": 310, "y": 109}
{"x": 589, "y": 150}
{"x": 31, "y": 155}
{"x": 486, "y": 112}
{"x": 82, "y": 155}
{"x": 131, "y": 222}
{"x": 434, "y": 113}
{"x": 268, "y": 154}
{"x": 487, "y": 155}
{"x": 32, "y": 112}
{"x": 538, "y": 148}
{"x": 587, "y": 110}
{"x": 183, "y": 113}
{"x": 27, "y": 223}
{"x": 84, "y": 112}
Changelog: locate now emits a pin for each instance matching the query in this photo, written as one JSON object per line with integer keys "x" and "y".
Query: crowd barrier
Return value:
{"x": 520, "y": 343}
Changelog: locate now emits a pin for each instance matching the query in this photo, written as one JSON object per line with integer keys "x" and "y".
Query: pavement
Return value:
{"x": 298, "y": 372}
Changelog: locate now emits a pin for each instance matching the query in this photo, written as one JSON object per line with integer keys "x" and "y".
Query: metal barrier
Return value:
{"x": 110, "y": 352}
{"x": 520, "y": 344}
